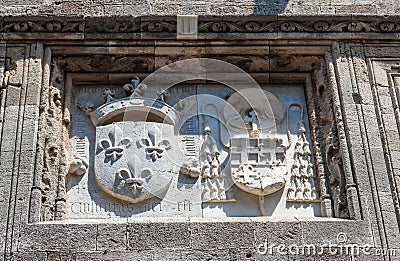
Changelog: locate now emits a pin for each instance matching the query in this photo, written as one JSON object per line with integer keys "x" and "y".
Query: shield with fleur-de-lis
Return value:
{"x": 134, "y": 161}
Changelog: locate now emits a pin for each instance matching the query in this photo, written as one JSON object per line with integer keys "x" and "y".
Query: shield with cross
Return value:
{"x": 257, "y": 155}
{"x": 134, "y": 160}
{"x": 257, "y": 165}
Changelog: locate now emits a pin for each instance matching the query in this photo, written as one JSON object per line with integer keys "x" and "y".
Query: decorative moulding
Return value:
{"x": 185, "y": 27}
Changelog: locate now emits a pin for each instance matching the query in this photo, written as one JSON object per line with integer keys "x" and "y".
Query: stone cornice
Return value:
{"x": 210, "y": 27}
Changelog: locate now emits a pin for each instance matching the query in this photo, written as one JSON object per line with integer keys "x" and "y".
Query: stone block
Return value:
{"x": 356, "y": 9}
{"x": 34, "y": 83}
{"x": 270, "y": 234}
{"x": 146, "y": 235}
{"x": 10, "y": 128}
{"x": 13, "y": 96}
{"x": 222, "y": 235}
{"x": 58, "y": 237}
{"x": 112, "y": 237}
{"x": 71, "y": 7}
{"x": 336, "y": 232}
{"x": 30, "y": 256}
{"x": 30, "y": 128}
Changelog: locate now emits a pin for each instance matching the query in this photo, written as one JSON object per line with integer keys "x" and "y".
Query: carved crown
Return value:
{"x": 134, "y": 107}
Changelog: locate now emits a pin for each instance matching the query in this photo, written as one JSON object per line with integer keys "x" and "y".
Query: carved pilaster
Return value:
{"x": 341, "y": 160}
{"x": 49, "y": 179}
{"x": 337, "y": 179}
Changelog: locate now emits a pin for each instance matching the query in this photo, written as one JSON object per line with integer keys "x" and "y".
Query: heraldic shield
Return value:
{"x": 257, "y": 156}
{"x": 135, "y": 147}
{"x": 132, "y": 160}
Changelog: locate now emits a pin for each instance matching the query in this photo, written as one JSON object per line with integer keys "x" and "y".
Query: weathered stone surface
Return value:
{"x": 278, "y": 233}
{"x": 217, "y": 232}
{"x": 65, "y": 76}
{"x": 146, "y": 235}
{"x": 243, "y": 7}
{"x": 57, "y": 237}
{"x": 112, "y": 237}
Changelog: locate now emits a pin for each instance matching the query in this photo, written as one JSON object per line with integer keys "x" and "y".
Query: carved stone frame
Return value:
{"x": 321, "y": 78}
{"x": 344, "y": 78}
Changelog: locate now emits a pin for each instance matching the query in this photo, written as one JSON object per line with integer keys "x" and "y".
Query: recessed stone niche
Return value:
{"x": 198, "y": 150}
{"x": 191, "y": 140}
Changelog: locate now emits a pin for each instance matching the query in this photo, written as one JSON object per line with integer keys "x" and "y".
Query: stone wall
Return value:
{"x": 347, "y": 65}
{"x": 219, "y": 7}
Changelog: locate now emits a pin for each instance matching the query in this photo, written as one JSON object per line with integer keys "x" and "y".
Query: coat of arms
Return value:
{"x": 135, "y": 144}
{"x": 140, "y": 152}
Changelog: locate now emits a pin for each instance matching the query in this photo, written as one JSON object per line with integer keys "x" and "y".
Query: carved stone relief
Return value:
{"x": 138, "y": 163}
{"x": 303, "y": 179}
{"x": 336, "y": 175}
{"x": 52, "y": 166}
{"x": 124, "y": 26}
{"x": 141, "y": 151}
{"x": 228, "y": 153}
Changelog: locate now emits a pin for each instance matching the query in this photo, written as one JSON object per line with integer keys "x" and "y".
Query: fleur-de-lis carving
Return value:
{"x": 114, "y": 146}
{"x": 108, "y": 95}
{"x": 154, "y": 144}
{"x": 134, "y": 179}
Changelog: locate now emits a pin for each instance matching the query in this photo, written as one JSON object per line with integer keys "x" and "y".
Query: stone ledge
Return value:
{"x": 170, "y": 233}
{"x": 210, "y": 27}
